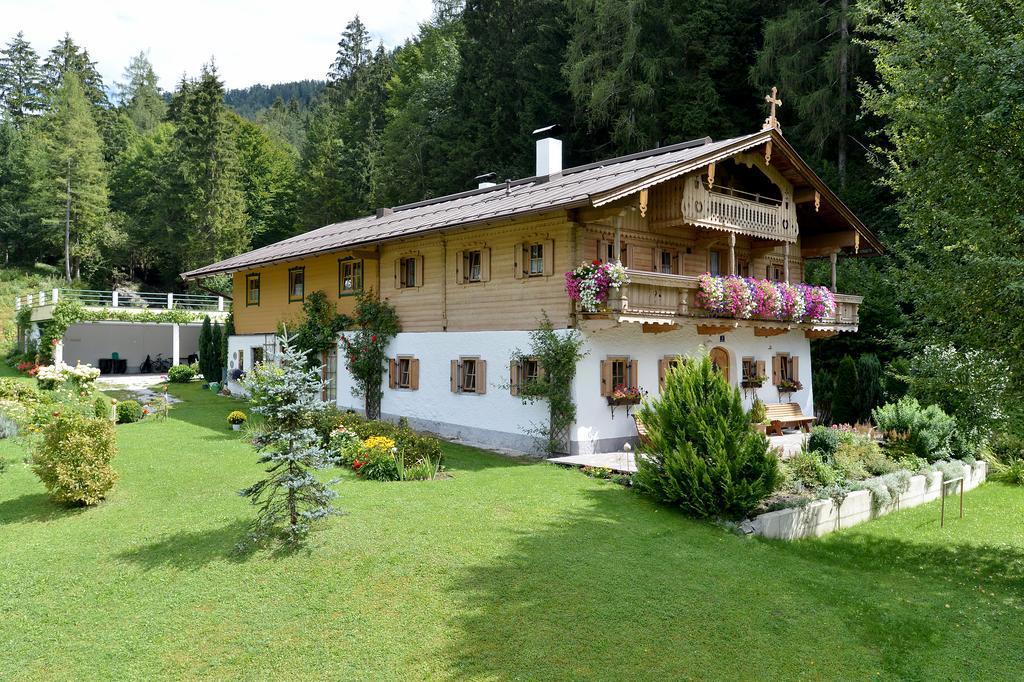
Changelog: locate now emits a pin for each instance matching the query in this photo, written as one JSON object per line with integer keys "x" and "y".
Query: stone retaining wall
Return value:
{"x": 822, "y": 516}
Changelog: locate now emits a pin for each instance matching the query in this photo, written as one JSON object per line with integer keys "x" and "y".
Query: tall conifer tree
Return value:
{"x": 21, "y": 81}
{"x": 70, "y": 191}
{"x": 204, "y": 209}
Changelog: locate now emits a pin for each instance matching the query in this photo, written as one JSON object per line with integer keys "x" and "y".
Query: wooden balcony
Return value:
{"x": 740, "y": 212}
{"x": 653, "y": 298}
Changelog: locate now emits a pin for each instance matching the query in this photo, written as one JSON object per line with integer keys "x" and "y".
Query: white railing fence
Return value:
{"x": 94, "y": 298}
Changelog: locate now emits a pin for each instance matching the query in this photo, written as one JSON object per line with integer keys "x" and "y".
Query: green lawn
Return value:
{"x": 508, "y": 570}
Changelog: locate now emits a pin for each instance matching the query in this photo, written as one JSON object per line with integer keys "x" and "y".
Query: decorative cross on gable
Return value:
{"x": 773, "y": 99}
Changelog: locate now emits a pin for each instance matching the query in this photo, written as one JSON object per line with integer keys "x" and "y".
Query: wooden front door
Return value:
{"x": 720, "y": 359}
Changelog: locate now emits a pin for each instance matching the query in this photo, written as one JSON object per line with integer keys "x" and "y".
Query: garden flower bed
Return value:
{"x": 819, "y": 517}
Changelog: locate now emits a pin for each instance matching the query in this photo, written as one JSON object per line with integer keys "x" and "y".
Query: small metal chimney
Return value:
{"x": 486, "y": 180}
{"x": 549, "y": 151}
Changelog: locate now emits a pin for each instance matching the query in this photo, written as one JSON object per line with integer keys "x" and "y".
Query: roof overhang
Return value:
{"x": 780, "y": 147}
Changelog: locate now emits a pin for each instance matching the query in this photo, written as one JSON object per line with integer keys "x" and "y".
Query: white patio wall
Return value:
{"x": 87, "y": 342}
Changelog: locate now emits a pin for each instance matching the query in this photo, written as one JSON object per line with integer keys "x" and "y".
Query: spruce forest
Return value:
{"x": 911, "y": 110}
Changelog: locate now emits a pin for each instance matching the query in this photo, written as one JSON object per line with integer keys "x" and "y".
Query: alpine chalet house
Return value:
{"x": 471, "y": 274}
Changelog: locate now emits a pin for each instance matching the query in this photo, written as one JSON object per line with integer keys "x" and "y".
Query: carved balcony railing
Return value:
{"x": 656, "y": 298}
{"x": 737, "y": 211}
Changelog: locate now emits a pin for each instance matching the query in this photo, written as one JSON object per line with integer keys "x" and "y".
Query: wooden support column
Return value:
{"x": 785, "y": 262}
{"x": 732, "y": 253}
{"x": 618, "y": 238}
{"x": 832, "y": 259}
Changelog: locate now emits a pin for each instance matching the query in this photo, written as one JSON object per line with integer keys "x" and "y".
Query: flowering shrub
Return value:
{"x": 747, "y": 297}
{"x": 28, "y": 367}
{"x": 590, "y": 283}
{"x": 345, "y": 445}
{"x": 376, "y": 459}
{"x": 790, "y": 386}
{"x": 52, "y": 376}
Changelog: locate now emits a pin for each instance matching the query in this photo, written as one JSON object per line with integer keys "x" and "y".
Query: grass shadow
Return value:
{"x": 619, "y": 588}
{"x": 35, "y": 508}
{"x": 192, "y": 550}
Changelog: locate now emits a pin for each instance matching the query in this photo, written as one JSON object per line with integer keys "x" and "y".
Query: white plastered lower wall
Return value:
{"x": 500, "y": 420}
{"x": 495, "y": 419}
{"x": 597, "y": 430}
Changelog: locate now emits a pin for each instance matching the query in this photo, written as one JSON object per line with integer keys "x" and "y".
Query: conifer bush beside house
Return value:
{"x": 291, "y": 497}
{"x": 845, "y": 395}
{"x": 73, "y": 458}
{"x": 703, "y": 456}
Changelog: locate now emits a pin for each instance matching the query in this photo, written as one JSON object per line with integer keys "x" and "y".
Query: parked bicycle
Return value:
{"x": 156, "y": 365}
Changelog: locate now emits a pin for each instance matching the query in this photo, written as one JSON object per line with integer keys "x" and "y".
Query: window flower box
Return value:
{"x": 625, "y": 395}
{"x": 789, "y": 386}
{"x": 591, "y": 284}
{"x": 749, "y": 297}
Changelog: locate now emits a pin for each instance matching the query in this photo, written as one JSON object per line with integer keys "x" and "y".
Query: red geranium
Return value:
{"x": 356, "y": 464}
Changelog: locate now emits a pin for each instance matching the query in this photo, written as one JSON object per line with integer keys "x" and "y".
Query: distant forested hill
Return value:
{"x": 249, "y": 102}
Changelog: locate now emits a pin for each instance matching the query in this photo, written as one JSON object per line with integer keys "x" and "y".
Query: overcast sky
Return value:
{"x": 253, "y": 41}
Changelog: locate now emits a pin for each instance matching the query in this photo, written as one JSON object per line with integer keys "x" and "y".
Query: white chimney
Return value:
{"x": 486, "y": 180}
{"x": 549, "y": 151}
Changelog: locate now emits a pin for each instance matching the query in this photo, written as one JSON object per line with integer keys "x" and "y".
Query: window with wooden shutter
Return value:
{"x": 414, "y": 374}
{"x": 515, "y": 374}
{"x": 618, "y": 372}
{"x": 759, "y": 365}
{"x": 749, "y": 369}
{"x": 350, "y": 276}
{"x": 784, "y": 368}
{"x": 403, "y": 372}
{"x": 794, "y": 368}
{"x": 409, "y": 272}
{"x": 549, "y": 257}
{"x": 518, "y": 261}
{"x": 469, "y": 375}
{"x": 485, "y": 264}
{"x": 665, "y": 365}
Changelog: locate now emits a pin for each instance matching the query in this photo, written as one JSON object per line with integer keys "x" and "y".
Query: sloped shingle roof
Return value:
{"x": 575, "y": 187}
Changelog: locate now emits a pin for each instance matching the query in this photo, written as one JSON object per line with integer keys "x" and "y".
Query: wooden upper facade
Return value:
{"x": 749, "y": 207}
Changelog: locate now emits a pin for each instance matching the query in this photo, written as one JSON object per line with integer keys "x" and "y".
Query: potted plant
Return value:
{"x": 236, "y": 419}
{"x": 759, "y": 416}
{"x": 624, "y": 395}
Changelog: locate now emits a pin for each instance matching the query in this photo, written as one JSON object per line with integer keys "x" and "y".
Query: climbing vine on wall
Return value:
{"x": 365, "y": 351}
{"x": 558, "y": 356}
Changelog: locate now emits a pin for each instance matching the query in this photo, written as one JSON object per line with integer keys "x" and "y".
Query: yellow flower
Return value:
{"x": 379, "y": 442}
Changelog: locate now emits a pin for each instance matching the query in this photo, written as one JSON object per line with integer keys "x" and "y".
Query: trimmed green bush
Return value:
{"x": 703, "y": 455}
{"x": 101, "y": 407}
{"x": 758, "y": 413}
{"x": 181, "y": 374}
{"x": 128, "y": 412}
{"x": 846, "y": 393}
{"x": 73, "y": 458}
{"x": 826, "y": 440}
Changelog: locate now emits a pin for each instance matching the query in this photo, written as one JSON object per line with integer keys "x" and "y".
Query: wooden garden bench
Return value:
{"x": 786, "y": 414}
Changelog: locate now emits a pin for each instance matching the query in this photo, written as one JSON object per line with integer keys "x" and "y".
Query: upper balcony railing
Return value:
{"x": 134, "y": 300}
{"x": 738, "y": 211}
{"x": 660, "y": 298}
